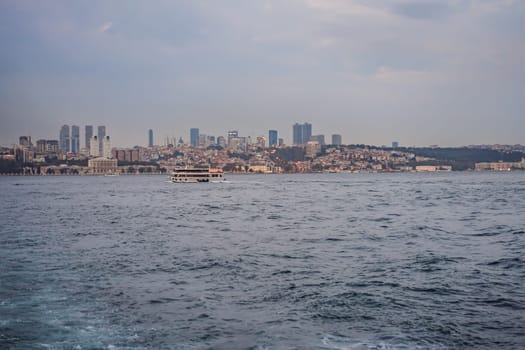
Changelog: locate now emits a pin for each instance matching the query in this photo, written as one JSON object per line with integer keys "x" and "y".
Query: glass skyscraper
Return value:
{"x": 301, "y": 133}
{"x": 75, "y": 139}
{"x": 336, "y": 140}
{"x": 150, "y": 138}
{"x": 88, "y": 135}
{"x": 272, "y": 138}
{"x": 65, "y": 141}
{"x": 101, "y": 136}
{"x": 194, "y": 137}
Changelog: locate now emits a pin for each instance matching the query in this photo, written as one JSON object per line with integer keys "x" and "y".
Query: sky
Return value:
{"x": 421, "y": 72}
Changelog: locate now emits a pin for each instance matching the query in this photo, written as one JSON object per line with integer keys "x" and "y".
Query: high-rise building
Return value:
{"x": 232, "y": 134}
{"x": 101, "y": 136}
{"x": 221, "y": 141}
{"x": 41, "y": 146}
{"x": 337, "y": 140}
{"x": 94, "y": 150}
{"x": 106, "y": 147}
{"x": 65, "y": 141}
{"x": 47, "y": 146}
{"x": 261, "y": 141}
{"x": 88, "y": 135}
{"x": 75, "y": 139}
{"x": 272, "y": 138}
{"x": 150, "y": 138}
{"x": 312, "y": 149}
{"x": 395, "y": 144}
{"x": 25, "y": 141}
{"x": 318, "y": 138}
{"x": 236, "y": 143}
{"x": 194, "y": 137}
{"x": 202, "y": 140}
{"x": 301, "y": 133}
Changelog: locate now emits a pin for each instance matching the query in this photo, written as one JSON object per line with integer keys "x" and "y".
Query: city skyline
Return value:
{"x": 66, "y": 136}
{"x": 447, "y": 73}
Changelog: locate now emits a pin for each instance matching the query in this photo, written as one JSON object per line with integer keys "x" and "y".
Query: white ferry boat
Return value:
{"x": 193, "y": 175}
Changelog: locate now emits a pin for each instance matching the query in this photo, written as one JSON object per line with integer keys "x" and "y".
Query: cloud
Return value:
{"x": 491, "y": 6}
{"x": 385, "y": 74}
{"x": 345, "y": 7}
{"x": 424, "y": 10}
{"x": 106, "y": 27}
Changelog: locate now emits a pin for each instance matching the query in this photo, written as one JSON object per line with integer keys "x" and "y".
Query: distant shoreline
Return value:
{"x": 250, "y": 174}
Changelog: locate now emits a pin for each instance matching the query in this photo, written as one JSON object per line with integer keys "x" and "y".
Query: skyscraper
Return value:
{"x": 93, "y": 148}
{"x": 88, "y": 135}
{"x": 318, "y": 138}
{"x": 150, "y": 138}
{"x": 194, "y": 137}
{"x": 101, "y": 136}
{"x": 232, "y": 135}
{"x": 272, "y": 138}
{"x": 75, "y": 139}
{"x": 336, "y": 140}
{"x": 64, "y": 139}
{"x": 106, "y": 147}
{"x": 301, "y": 133}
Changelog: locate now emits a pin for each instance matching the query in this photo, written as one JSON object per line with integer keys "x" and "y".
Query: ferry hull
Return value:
{"x": 196, "y": 175}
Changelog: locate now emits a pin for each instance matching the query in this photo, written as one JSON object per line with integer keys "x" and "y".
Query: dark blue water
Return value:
{"x": 324, "y": 261}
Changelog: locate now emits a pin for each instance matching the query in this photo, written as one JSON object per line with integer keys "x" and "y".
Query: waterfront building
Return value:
{"x": 134, "y": 155}
{"x": 500, "y": 166}
{"x": 337, "y": 140}
{"x": 101, "y": 135}
{"x": 102, "y": 166}
{"x": 75, "y": 139}
{"x": 94, "y": 150}
{"x": 106, "y": 147}
{"x": 128, "y": 155}
{"x": 25, "y": 141}
{"x": 88, "y": 134}
{"x": 64, "y": 139}
{"x": 301, "y": 133}
{"x": 272, "y": 138}
{"x": 150, "y": 138}
{"x": 194, "y": 137}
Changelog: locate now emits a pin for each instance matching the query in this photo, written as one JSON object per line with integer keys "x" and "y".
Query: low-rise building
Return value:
{"x": 102, "y": 166}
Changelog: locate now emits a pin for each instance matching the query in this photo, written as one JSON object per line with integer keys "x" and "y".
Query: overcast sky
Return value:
{"x": 446, "y": 72}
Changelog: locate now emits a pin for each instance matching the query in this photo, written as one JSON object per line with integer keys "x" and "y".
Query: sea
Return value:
{"x": 299, "y": 261}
